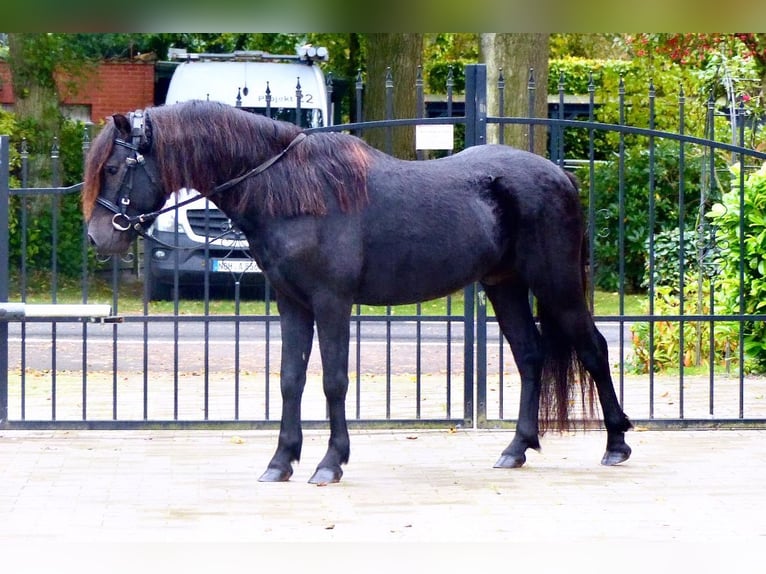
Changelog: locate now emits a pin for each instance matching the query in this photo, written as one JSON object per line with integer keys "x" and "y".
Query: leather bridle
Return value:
{"x": 121, "y": 221}
{"x": 141, "y": 139}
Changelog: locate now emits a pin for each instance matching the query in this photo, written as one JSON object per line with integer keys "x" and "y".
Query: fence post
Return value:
{"x": 475, "y": 104}
{"x": 4, "y": 271}
{"x": 475, "y": 134}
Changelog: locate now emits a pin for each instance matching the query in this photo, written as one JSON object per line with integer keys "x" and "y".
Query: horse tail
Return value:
{"x": 563, "y": 374}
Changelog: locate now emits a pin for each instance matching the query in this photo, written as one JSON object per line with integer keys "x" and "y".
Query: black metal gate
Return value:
{"x": 189, "y": 364}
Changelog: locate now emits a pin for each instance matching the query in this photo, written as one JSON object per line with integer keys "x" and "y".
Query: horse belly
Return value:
{"x": 403, "y": 269}
{"x": 430, "y": 229}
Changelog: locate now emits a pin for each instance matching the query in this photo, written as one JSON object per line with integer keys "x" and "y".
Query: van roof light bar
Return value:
{"x": 306, "y": 53}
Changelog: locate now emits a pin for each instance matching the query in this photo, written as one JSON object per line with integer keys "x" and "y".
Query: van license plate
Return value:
{"x": 235, "y": 265}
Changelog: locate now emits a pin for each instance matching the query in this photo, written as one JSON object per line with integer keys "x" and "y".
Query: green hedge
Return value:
{"x": 39, "y": 210}
{"x": 636, "y": 209}
{"x": 726, "y": 216}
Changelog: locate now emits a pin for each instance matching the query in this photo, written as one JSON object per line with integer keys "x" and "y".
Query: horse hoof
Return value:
{"x": 613, "y": 457}
{"x": 326, "y": 476}
{"x": 275, "y": 475}
{"x": 510, "y": 461}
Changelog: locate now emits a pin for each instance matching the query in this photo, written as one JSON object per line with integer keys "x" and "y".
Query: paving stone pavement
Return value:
{"x": 699, "y": 497}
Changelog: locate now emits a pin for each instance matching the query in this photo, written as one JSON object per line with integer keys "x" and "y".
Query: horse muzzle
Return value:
{"x": 107, "y": 238}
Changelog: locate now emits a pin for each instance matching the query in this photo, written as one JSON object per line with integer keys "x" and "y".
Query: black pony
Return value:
{"x": 333, "y": 222}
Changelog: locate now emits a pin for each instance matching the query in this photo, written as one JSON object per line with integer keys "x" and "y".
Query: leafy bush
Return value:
{"x": 8, "y": 127}
{"x": 699, "y": 249}
{"x": 636, "y": 208}
{"x": 577, "y": 73}
{"x": 726, "y": 216}
{"x": 696, "y": 334}
{"x": 38, "y": 235}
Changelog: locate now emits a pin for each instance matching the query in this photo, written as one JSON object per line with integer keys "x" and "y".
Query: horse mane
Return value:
{"x": 200, "y": 145}
{"x": 203, "y": 144}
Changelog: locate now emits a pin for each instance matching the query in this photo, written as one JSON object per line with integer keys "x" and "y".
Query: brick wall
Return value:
{"x": 112, "y": 87}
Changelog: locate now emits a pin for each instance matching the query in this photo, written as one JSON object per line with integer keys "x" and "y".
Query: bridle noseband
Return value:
{"x": 141, "y": 131}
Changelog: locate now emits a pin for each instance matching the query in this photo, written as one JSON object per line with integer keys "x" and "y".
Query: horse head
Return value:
{"x": 121, "y": 184}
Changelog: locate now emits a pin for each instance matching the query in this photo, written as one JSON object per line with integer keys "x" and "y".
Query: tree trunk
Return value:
{"x": 516, "y": 55}
{"x": 402, "y": 53}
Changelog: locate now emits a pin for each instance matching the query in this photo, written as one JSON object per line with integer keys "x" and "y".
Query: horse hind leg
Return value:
{"x": 575, "y": 327}
{"x": 510, "y": 301}
{"x": 593, "y": 353}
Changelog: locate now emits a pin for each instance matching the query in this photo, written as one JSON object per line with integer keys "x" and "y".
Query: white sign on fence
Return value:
{"x": 435, "y": 136}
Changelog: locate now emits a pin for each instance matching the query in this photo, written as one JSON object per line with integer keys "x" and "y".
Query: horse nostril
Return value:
{"x": 91, "y": 241}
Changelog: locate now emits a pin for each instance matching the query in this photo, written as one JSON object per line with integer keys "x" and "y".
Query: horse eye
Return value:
{"x": 112, "y": 169}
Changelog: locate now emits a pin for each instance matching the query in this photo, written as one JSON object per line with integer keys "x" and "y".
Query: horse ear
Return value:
{"x": 122, "y": 124}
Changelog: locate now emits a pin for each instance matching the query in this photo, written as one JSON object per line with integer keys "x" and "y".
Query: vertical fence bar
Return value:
{"x": 710, "y": 274}
{"x": 115, "y": 306}
{"x": 741, "y": 134}
{"x": 358, "y": 356}
{"x": 621, "y": 237}
{"x": 23, "y": 270}
{"x": 475, "y": 134}
{"x": 24, "y": 221}
{"x": 652, "y": 223}
{"x": 681, "y": 248}
{"x": 267, "y": 349}
{"x": 4, "y": 271}
{"x": 389, "y": 141}
{"x": 206, "y": 320}
{"x": 531, "y": 107}
{"x": 501, "y": 104}
{"x": 23, "y": 266}
{"x": 450, "y": 88}
{"x": 389, "y": 147}
{"x": 359, "y": 89}
{"x": 55, "y": 209}
{"x": 145, "y": 335}
{"x": 329, "y": 121}
{"x": 591, "y": 194}
{"x": 84, "y": 283}
{"x": 420, "y": 107}
{"x": 298, "y": 99}
{"x": 448, "y": 358}
{"x": 420, "y": 113}
{"x": 560, "y": 128}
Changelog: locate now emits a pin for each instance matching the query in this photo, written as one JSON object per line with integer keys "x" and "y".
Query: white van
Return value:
{"x": 256, "y": 82}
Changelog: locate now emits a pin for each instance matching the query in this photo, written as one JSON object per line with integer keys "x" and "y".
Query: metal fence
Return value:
{"x": 187, "y": 363}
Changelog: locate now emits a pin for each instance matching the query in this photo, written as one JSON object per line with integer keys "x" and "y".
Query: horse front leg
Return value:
{"x": 297, "y": 325}
{"x": 333, "y": 331}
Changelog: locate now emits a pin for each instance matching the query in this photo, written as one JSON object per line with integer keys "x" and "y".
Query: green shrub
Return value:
{"x": 750, "y": 296}
{"x": 667, "y": 260}
{"x": 577, "y": 73}
{"x": 667, "y": 334}
{"x": 636, "y": 208}
{"x": 38, "y": 236}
